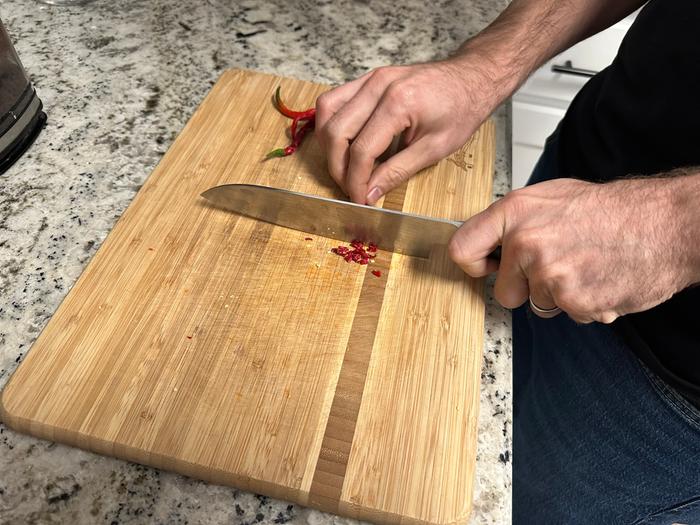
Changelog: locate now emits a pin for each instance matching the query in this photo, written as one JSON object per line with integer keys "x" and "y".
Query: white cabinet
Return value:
{"x": 541, "y": 102}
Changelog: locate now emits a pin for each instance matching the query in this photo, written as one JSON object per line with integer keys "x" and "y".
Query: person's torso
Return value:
{"x": 641, "y": 116}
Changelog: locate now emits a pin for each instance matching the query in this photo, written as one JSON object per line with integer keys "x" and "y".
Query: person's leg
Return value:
{"x": 596, "y": 437}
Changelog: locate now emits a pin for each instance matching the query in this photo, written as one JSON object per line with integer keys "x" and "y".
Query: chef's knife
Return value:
{"x": 390, "y": 230}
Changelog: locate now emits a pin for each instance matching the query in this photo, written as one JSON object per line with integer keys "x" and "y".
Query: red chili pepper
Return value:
{"x": 357, "y": 252}
{"x": 308, "y": 118}
{"x": 290, "y": 112}
{"x": 376, "y": 273}
{"x": 308, "y": 239}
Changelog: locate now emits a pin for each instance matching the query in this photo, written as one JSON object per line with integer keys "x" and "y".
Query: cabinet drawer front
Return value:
{"x": 524, "y": 160}
{"x": 594, "y": 53}
{"x": 533, "y": 123}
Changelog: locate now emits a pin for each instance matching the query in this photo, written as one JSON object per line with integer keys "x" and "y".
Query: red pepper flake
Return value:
{"x": 151, "y": 249}
{"x": 189, "y": 337}
{"x": 307, "y": 119}
{"x": 376, "y": 273}
{"x": 308, "y": 239}
{"x": 357, "y": 252}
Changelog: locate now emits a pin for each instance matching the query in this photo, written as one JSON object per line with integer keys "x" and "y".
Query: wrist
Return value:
{"x": 665, "y": 209}
{"x": 495, "y": 63}
{"x": 684, "y": 200}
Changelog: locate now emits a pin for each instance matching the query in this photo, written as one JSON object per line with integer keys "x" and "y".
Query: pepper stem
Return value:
{"x": 279, "y": 152}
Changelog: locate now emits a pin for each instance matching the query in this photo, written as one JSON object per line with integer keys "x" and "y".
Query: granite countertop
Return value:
{"x": 119, "y": 80}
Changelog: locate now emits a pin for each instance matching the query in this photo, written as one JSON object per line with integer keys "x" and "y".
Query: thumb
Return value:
{"x": 472, "y": 243}
{"x": 398, "y": 168}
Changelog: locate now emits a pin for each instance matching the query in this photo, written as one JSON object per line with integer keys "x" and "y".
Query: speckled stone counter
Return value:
{"x": 119, "y": 80}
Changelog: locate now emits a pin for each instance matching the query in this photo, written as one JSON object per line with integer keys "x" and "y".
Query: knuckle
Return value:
{"x": 522, "y": 241}
{"x": 335, "y": 174}
{"x": 501, "y": 297}
{"x": 324, "y": 102}
{"x": 581, "y": 319}
{"x": 455, "y": 249}
{"x": 401, "y": 94}
{"x": 506, "y": 299}
{"x": 395, "y": 175}
{"x": 515, "y": 202}
{"x": 605, "y": 317}
{"x": 359, "y": 147}
{"x": 558, "y": 282}
{"x": 384, "y": 74}
{"x": 332, "y": 129}
{"x": 569, "y": 301}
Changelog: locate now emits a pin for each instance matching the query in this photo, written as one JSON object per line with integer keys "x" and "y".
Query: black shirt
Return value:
{"x": 641, "y": 116}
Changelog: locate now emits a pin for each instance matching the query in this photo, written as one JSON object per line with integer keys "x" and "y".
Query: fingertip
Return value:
{"x": 374, "y": 195}
{"x": 510, "y": 293}
{"x": 456, "y": 250}
{"x": 358, "y": 196}
{"x": 480, "y": 268}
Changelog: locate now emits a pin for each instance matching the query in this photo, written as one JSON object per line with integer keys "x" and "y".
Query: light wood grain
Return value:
{"x": 237, "y": 352}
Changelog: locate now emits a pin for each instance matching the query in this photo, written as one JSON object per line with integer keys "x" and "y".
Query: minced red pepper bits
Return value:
{"x": 376, "y": 273}
{"x": 306, "y": 118}
{"x": 357, "y": 252}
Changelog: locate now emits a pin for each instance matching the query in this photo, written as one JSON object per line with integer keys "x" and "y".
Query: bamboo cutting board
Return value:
{"x": 238, "y": 352}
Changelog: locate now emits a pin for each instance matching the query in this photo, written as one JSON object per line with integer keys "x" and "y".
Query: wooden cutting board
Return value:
{"x": 238, "y": 352}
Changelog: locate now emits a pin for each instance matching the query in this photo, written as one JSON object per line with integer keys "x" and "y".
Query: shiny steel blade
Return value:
{"x": 390, "y": 230}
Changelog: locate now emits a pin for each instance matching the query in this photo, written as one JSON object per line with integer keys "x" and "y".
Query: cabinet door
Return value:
{"x": 533, "y": 123}
{"x": 524, "y": 159}
{"x": 593, "y": 54}
{"x": 540, "y": 104}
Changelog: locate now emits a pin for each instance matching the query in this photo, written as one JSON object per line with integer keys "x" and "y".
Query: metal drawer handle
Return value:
{"x": 569, "y": 69}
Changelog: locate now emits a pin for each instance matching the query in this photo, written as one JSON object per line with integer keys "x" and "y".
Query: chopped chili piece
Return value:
{"x": 189, "y": 337}
{"x": 357, "y": 252}
{"x": 376, "y": 273}
{"x": 308, "y": 239}
{"x": 306, "y": 118}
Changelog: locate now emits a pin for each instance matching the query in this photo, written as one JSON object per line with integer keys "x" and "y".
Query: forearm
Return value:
{"x": 678, "y": 195}
{"x": 529, "y": 32}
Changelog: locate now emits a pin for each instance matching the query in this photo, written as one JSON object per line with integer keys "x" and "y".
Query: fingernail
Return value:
{"x": 374, "y": 195}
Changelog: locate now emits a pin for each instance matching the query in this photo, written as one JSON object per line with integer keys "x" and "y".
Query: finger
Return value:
{"x": 472, "y": 243}
{"x": 328, "y": 103}
{"x": 399, "y": 168}
{"x": 541, "y": 296}
{"x": 376, "y": 136}
{"x": 345, "y": 125}
{"x": 511, "y": 288}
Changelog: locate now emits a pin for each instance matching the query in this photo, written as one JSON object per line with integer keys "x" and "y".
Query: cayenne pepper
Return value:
{"x": 357, "y": 252}
{"x": 307, "y": 119}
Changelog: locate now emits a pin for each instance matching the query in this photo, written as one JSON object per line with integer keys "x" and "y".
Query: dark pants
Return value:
{"x": 597, "y": 438}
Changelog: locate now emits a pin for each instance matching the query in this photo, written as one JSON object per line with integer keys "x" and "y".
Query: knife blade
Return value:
{"x": 390, "y": 230}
